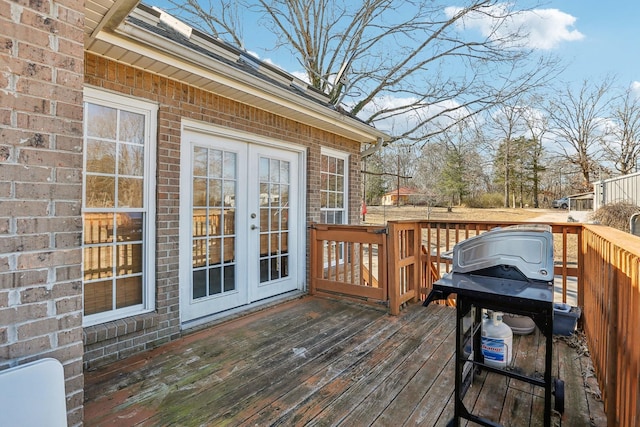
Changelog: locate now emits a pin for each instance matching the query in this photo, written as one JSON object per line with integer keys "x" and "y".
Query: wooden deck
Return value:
{"x": 317, "y": 361}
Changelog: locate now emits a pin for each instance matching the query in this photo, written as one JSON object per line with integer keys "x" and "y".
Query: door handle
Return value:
{"x": 254, "y": 227}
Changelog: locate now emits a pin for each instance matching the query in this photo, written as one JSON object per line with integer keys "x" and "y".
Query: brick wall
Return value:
{"x": 41, "y": 66}
{"x": 114, "y": 340}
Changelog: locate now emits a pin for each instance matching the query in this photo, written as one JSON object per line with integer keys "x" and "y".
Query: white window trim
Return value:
{"x": 150, "y": 111}
{"x": 324, "y": 151}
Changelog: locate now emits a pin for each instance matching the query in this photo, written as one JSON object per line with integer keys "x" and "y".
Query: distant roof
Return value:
{"x": 404, "y": 191}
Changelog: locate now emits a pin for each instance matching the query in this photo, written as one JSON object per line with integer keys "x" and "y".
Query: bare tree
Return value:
{"x": 578, "y": 122}
{"x": 622, "y": 146}
{"x": 365, "y": 53}
{"x": 508, "y": 123}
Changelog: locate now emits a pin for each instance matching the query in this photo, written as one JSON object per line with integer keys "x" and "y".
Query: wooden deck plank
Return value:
{"x": 382, "y": 400}
{"x": 309, "y": 399}
{"x": 221, "y": 401}
{"x": 317, "y": 361}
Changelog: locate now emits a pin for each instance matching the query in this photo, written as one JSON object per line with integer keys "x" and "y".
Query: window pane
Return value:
{"x": 215, "y": 193}
{"x": 264, "y": 194}
{"x": 98, "y": 262}
{"x": 215, "y": 252}
{"x": 199, "y": 284}
{"x": 129, "y": 258}
{"x": 215, "y": 280}
{"x": 199, "y": 161}
{"x": 98, "y": 228}
{"x": 229, "y": 278}
{"x": 101, "y": 157}
{"x": 284, "y": 172}
{"x": 264, "y": 270}
{"x": 229, "y": 249}
{"x": 229, "y": 165}
{"x": 130, "y": 192}
{"x": 284, "y": 243}
{"x": 100, "y": 191}
{"x": 264, "y": 169}
{"x": 215, "y": 164}
{"x": 229, "y": 221}
{"x": 229, "y": 193}
{"x": 98, "y": 297}
{"x": 131, "y": 127}
{"x": 128, "y": 291}
{"x": 215, "y": 217}
{"x": 340, "y": 166}
{"x": 199, "y": 222}
{"x": 199, "y": 254}
{"x": 131, "y": 160}
{"x": 284, "y": 266}
{"x": 264, "y": 219}
{"x": 274, "y": 170}
{"x": 264, "y": 244}
{"x": 199, "y": 192}
{"x": 129, "y": 226}
{"x": 101, "y": 121}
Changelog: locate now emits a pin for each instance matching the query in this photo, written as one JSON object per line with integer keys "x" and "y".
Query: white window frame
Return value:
{"x": 150, "y": 111}
{"x": 324, "y": 151}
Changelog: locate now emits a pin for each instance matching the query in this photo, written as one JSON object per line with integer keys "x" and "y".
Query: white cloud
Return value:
{"x": 543, "y": 28}
{"x": 635, "y": 88}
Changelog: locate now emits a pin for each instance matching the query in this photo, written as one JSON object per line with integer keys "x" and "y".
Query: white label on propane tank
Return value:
{"x": 494, "y": 350}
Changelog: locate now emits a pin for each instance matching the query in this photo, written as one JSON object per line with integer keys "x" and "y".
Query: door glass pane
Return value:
{"x": 214, "y": 220}
{"x": 274, "y": 184}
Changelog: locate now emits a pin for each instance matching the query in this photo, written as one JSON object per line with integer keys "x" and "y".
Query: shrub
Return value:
{"x": 486, "y": 200}
{"x": 616, "y": 215}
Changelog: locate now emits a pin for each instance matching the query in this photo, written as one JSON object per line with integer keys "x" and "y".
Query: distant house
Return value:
{"x": 401, "y": 196}
{"x": 153, "y": 178}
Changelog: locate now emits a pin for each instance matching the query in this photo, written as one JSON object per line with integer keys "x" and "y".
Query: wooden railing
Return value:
{"x": 603, "y": 264}
{"x": 350, "y": 261}
{"x": 611, "y": 318}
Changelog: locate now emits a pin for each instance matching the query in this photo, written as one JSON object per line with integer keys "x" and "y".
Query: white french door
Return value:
{"x": 239, "y": 223}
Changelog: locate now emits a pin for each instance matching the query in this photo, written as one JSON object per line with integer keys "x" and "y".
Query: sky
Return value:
{"x": 610, "y": 39}
{"x": 596, "y": 38}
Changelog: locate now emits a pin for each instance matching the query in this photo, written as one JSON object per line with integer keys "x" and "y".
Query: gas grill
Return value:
{"x": 509, "y": 270}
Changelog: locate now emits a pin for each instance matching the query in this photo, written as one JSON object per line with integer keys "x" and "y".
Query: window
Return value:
{"x": 333, "y": 187}
{"x": 118, "y": 207}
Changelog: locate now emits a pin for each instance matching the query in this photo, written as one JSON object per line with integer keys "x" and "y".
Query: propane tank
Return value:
{"x": 497, "y": 341}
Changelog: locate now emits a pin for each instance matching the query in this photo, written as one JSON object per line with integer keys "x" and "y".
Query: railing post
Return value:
{"x": 417, "y": 256}
{"x": 315, "y": 254}
{"x": 393, "y": 255}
